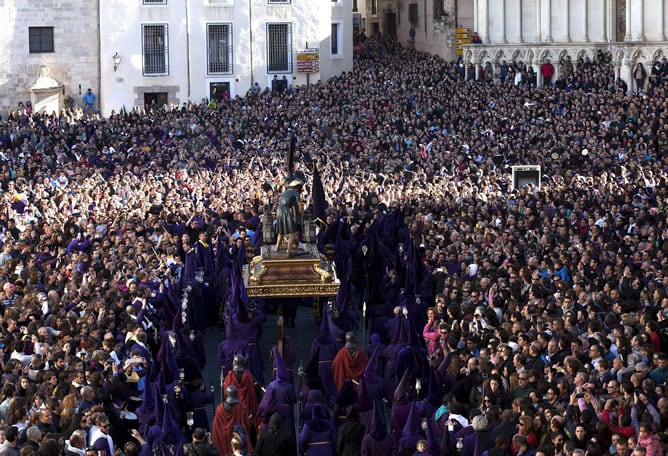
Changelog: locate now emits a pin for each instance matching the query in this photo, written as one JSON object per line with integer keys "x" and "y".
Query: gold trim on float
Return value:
{"x": 291, "y": 277}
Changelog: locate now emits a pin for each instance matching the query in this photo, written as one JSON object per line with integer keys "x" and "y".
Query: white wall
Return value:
{"x": 121, "y": 27}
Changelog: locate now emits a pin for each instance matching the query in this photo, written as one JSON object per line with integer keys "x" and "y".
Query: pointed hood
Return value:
{"x": 378, "y": 426}
{"x": 434, "y": 394}
{"x": 325, "y": 336}
{"x": 401, "y": 391}
{"x": 412, "y": 336}
{"x": 410, "y": 434}
{"x": 371, "y": 369}
{"x": 171, "y": 433}
{"x": 169, "y": 369}
{"x": 146, "y": 413}
{"x": 433, "y": 443}
{"x": 346, "y": 320}
{"x": 338, "y": 333}
{"x": 400, "y": 338}
{"x": 230, "y": 328}
{"x": 189, "y": 269}
{"x": 311, "y": 377}
{"x": 364, "y": 401}
{"x": 239, "y": 298}
{"x": 282, "y": 372}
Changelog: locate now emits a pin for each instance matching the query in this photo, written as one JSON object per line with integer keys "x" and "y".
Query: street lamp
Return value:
{"x": 117, "y": 60}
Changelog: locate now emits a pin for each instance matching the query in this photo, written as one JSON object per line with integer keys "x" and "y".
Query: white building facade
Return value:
{"x": 175, "y": 51}
{"x": 534, "y": 31}
{"x": 56, "y": 40}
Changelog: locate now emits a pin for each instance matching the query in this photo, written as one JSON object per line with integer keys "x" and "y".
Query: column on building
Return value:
{"x": 625, "y": 73}
{"x": 539, "y": 38}
{"x": 536, "y": 69}
{"x": 503, "y": 39}
{"x": 660, "y": 12}
{"x": 640, "y": 8}
{"x": 520, "y": 21}
{"x": 585, "y": 20}
{"x": 548, "y": 21}
{"x": 486, "y": 18}
{"x": 568, "y": 21}
{"x": 605, "y": 15}
{"x": 627, "y": 10}
{"x": 476, "y": 16}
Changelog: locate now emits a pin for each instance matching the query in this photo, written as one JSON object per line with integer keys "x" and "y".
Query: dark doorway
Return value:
{"x": 375, "y": 29}
{"x": 155, "y": 100}
{"x": 390, "y": 25}
{"x": 219, "y": 91}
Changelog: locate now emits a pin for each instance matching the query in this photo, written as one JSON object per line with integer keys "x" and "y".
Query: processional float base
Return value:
{"x": 277, "y": 275}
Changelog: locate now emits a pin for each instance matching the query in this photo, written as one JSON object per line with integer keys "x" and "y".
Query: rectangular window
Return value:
{"x": 439, "y": 10}
{"x": 279, "y": 48}
{"x": 281, "y": 2}
{"x": 155, "y": 2}
{"x": 374, "y": 7}
{"x": 155, "y": 49}
{"x": 413, "y": 14}
{"x": 40, "y": 39}
{"x": 219, "y": 44}
{"x": 336, "y": 37}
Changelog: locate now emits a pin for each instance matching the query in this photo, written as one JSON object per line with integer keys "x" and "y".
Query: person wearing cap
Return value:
{"x": 230, "y": 414}
{"x": 245, "y": 384}
{"x": 349, "y": 362}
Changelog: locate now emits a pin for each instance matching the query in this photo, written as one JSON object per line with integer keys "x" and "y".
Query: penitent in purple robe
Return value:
{"x": 318, "y": 435}
{"x": 324, "y": 347}
{"x": 377, "y": 442}
{"x": 280, "y": 395}
{"x": 230, "y": 347}
{"x": 387, "y": 446}
{"x": 250, "y": 332}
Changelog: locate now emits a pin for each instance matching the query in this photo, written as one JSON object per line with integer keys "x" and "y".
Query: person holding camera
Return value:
{"x": 201, "y": 444}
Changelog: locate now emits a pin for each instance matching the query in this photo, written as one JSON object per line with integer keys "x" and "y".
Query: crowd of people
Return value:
{"x": 534, "y": 315}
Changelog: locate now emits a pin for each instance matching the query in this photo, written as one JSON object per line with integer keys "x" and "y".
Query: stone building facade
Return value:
{"x": 53, "y": 39}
